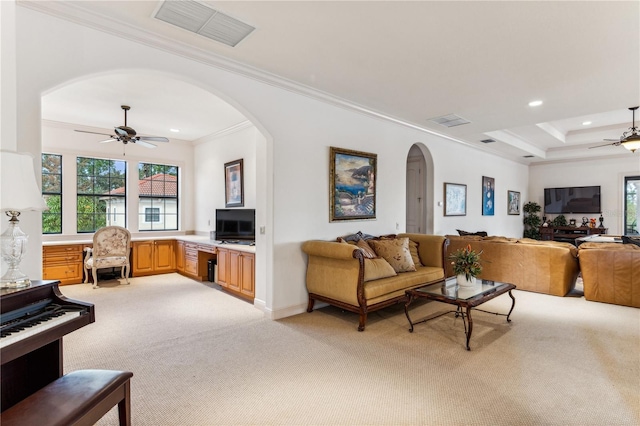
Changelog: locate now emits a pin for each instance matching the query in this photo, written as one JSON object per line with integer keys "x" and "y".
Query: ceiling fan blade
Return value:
{"x": 94, "y": 133}
{"x": 143, "y": 143}
{"x": 153, "y": 138}
{"x": 611, "y": 140}
{"x": 108, "y": 140}
{"x": 609, "y": 144}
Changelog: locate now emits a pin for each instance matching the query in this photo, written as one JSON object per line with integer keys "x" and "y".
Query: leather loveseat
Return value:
{"x": 548, "y": 267}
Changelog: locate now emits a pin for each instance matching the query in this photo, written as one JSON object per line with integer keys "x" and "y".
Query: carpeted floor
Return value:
{"x": 202, "y": 357}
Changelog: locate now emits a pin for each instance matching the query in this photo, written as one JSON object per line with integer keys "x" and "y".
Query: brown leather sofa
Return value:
{"x": 336, "y": 275}
{"x": 548, "y": 267}
{"x": 611, "y": 273}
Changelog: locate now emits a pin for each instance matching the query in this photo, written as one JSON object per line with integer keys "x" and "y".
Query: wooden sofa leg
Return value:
{"x": 310, "y": 305}
{"x": 363, "y": 321}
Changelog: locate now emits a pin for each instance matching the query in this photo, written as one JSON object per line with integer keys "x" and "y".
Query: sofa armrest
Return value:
{"x": 336, "y": 271}
{"x": 432, "y": 249}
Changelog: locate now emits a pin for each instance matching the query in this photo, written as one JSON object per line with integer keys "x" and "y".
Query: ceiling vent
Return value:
{"x": 450, "y": 120}
{"x": 488, "y": 140}
{"x": 200, "y": 19}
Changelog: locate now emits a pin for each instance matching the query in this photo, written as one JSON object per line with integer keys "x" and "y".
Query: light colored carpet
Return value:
{"x": 202, "y": 357}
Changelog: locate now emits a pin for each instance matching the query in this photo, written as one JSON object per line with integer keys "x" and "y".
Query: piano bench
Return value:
{"x": 79, "y": 398}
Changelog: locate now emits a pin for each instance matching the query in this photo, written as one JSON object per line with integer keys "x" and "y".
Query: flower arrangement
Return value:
{"x": 466, "y": 261}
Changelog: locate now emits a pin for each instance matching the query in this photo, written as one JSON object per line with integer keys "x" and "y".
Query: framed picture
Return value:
{"x": 455, "y": 199}
{"x": 233, "y": 184}
{"x": 488, "y": 196}
{"x": 352, "y": 185}
{"x": 513, "y": 202}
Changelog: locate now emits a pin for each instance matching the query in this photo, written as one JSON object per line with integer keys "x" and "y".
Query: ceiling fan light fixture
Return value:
{"x": 632, "y": 142}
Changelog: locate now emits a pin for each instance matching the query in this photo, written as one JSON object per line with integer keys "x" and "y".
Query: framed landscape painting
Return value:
{"x": 455, "y": 199}
{"x": 352, "y": 185}
{"x": 233, "y": 184}
{"x": 513, "y": 202}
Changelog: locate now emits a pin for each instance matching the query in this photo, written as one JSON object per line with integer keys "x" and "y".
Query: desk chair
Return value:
{"x": 110, "y": 250}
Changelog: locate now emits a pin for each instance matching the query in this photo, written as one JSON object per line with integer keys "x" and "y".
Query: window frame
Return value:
{"x": 633, "y": 228}
{"x": 46, "y": 193}
{"x": 146, "y": 173}
{"x": 98, "y": 178}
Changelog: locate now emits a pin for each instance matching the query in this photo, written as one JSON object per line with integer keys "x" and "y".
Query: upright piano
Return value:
{"x": 33, "y": 321}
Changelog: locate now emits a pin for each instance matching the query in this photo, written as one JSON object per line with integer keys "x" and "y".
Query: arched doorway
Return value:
{"x": 420, "y": 191}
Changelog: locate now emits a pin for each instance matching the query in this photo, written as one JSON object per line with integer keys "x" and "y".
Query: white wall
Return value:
{"x": 291, "y": 154}
{"x": 608, "y": 174}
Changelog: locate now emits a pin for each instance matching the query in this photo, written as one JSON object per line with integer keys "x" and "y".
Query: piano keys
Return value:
{"x": 33, "y": 321}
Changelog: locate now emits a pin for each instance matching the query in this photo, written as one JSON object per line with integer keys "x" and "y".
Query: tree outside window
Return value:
{"x": 101, "y": 193}
{"x": 52, "y": 193}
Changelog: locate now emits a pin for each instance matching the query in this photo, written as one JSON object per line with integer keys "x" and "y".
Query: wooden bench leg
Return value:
{"x": 124, "y": 406}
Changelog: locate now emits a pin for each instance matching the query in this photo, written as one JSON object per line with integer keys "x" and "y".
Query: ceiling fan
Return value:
{"x": 126, "y": 134}
{"x": 629, "y": 139}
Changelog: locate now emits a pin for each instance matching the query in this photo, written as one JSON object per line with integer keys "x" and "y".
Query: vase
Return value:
{"x": 464, "y": 282}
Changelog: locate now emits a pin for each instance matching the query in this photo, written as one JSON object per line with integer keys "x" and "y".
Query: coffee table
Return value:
{"x": 447, "y": 291}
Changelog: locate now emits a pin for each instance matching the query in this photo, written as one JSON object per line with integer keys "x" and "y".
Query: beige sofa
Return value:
{"x": 548, "y": 267}
{"x": 336, "y": 274}
{"x": 611, "y": 273}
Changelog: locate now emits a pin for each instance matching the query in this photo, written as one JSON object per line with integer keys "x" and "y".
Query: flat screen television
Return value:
{"x": 235, "y": 225}
{"x": 573, "y": 199}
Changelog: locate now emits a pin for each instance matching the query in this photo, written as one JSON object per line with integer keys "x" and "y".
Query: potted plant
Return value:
{"x": 466, "y": 265}
{"x": 532, "y": 221}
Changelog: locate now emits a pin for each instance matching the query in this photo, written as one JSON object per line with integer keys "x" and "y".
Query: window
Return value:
{"x": 152, "y": 214}
{"x": 52, "y": 193}
{"x": 632, "y": 205}
{"x": 158, "y": 203}
{"x": 101, "y": 189}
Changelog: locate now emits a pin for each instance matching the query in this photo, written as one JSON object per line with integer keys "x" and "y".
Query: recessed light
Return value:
{"x": 175, "y": 130}
{"x": 586, "y": 123}
{"x": 535, "y": 103}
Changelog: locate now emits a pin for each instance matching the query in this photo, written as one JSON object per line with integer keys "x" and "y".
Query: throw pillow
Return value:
{"x": 396, "y": 252}
{"x": 377, "y": 268}
{"x": 413, "y": 249}
{"x": 366, "y": 249}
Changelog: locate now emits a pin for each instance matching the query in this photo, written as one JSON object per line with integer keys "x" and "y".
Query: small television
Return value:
{"x": 573, "y": 199}
{"x": 236, "y": 225}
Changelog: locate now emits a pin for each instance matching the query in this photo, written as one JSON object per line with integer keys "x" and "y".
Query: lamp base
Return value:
{"x": 14, "y": 279}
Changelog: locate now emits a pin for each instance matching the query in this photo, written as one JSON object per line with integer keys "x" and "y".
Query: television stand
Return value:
{"x": 568, "y": 234}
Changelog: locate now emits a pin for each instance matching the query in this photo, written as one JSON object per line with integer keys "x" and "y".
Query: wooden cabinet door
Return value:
{"x": 234, "y": 270}
{"x": 143, "y": 257}
{"x": 223, "y": 266}
{"x": 164, "y": 256}
{"x": 247, "y": 280}
{"x": 180, "y": 256}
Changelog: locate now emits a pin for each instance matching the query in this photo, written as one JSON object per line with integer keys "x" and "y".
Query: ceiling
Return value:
{"x": 409, "y": 61}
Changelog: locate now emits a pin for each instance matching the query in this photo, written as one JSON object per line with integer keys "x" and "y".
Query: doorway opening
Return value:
{"x": 420, "y": 192}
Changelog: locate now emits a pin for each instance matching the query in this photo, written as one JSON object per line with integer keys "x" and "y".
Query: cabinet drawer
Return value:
{"x": 191, "y": 266}
{"x": 191, "y": 252}
{"x": 62, "y": 272}
{"x": 69, "y": 257}
{"x": 207, "y": 248}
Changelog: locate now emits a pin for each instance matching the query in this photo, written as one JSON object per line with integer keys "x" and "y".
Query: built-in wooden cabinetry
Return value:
{"x": 236, "y": 272}
{"x": 153, "y": 257}
{"x": 63, "y": 263}
{"x": 236, "y": 268}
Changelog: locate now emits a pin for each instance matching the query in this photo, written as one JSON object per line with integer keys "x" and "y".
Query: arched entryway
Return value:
{"x": 420, "y": 191}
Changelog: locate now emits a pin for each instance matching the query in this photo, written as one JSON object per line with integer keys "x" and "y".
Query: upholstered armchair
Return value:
{"x": 110, "y": 250}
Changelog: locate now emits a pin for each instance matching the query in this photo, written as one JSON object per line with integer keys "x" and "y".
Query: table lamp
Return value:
{"x": 20, "y": 192}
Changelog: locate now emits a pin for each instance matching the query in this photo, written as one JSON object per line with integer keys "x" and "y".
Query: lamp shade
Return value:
{"x": 20, "y": 190}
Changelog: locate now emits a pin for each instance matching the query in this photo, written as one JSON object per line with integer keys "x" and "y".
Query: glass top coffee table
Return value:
{"x": 448, "y": 291}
